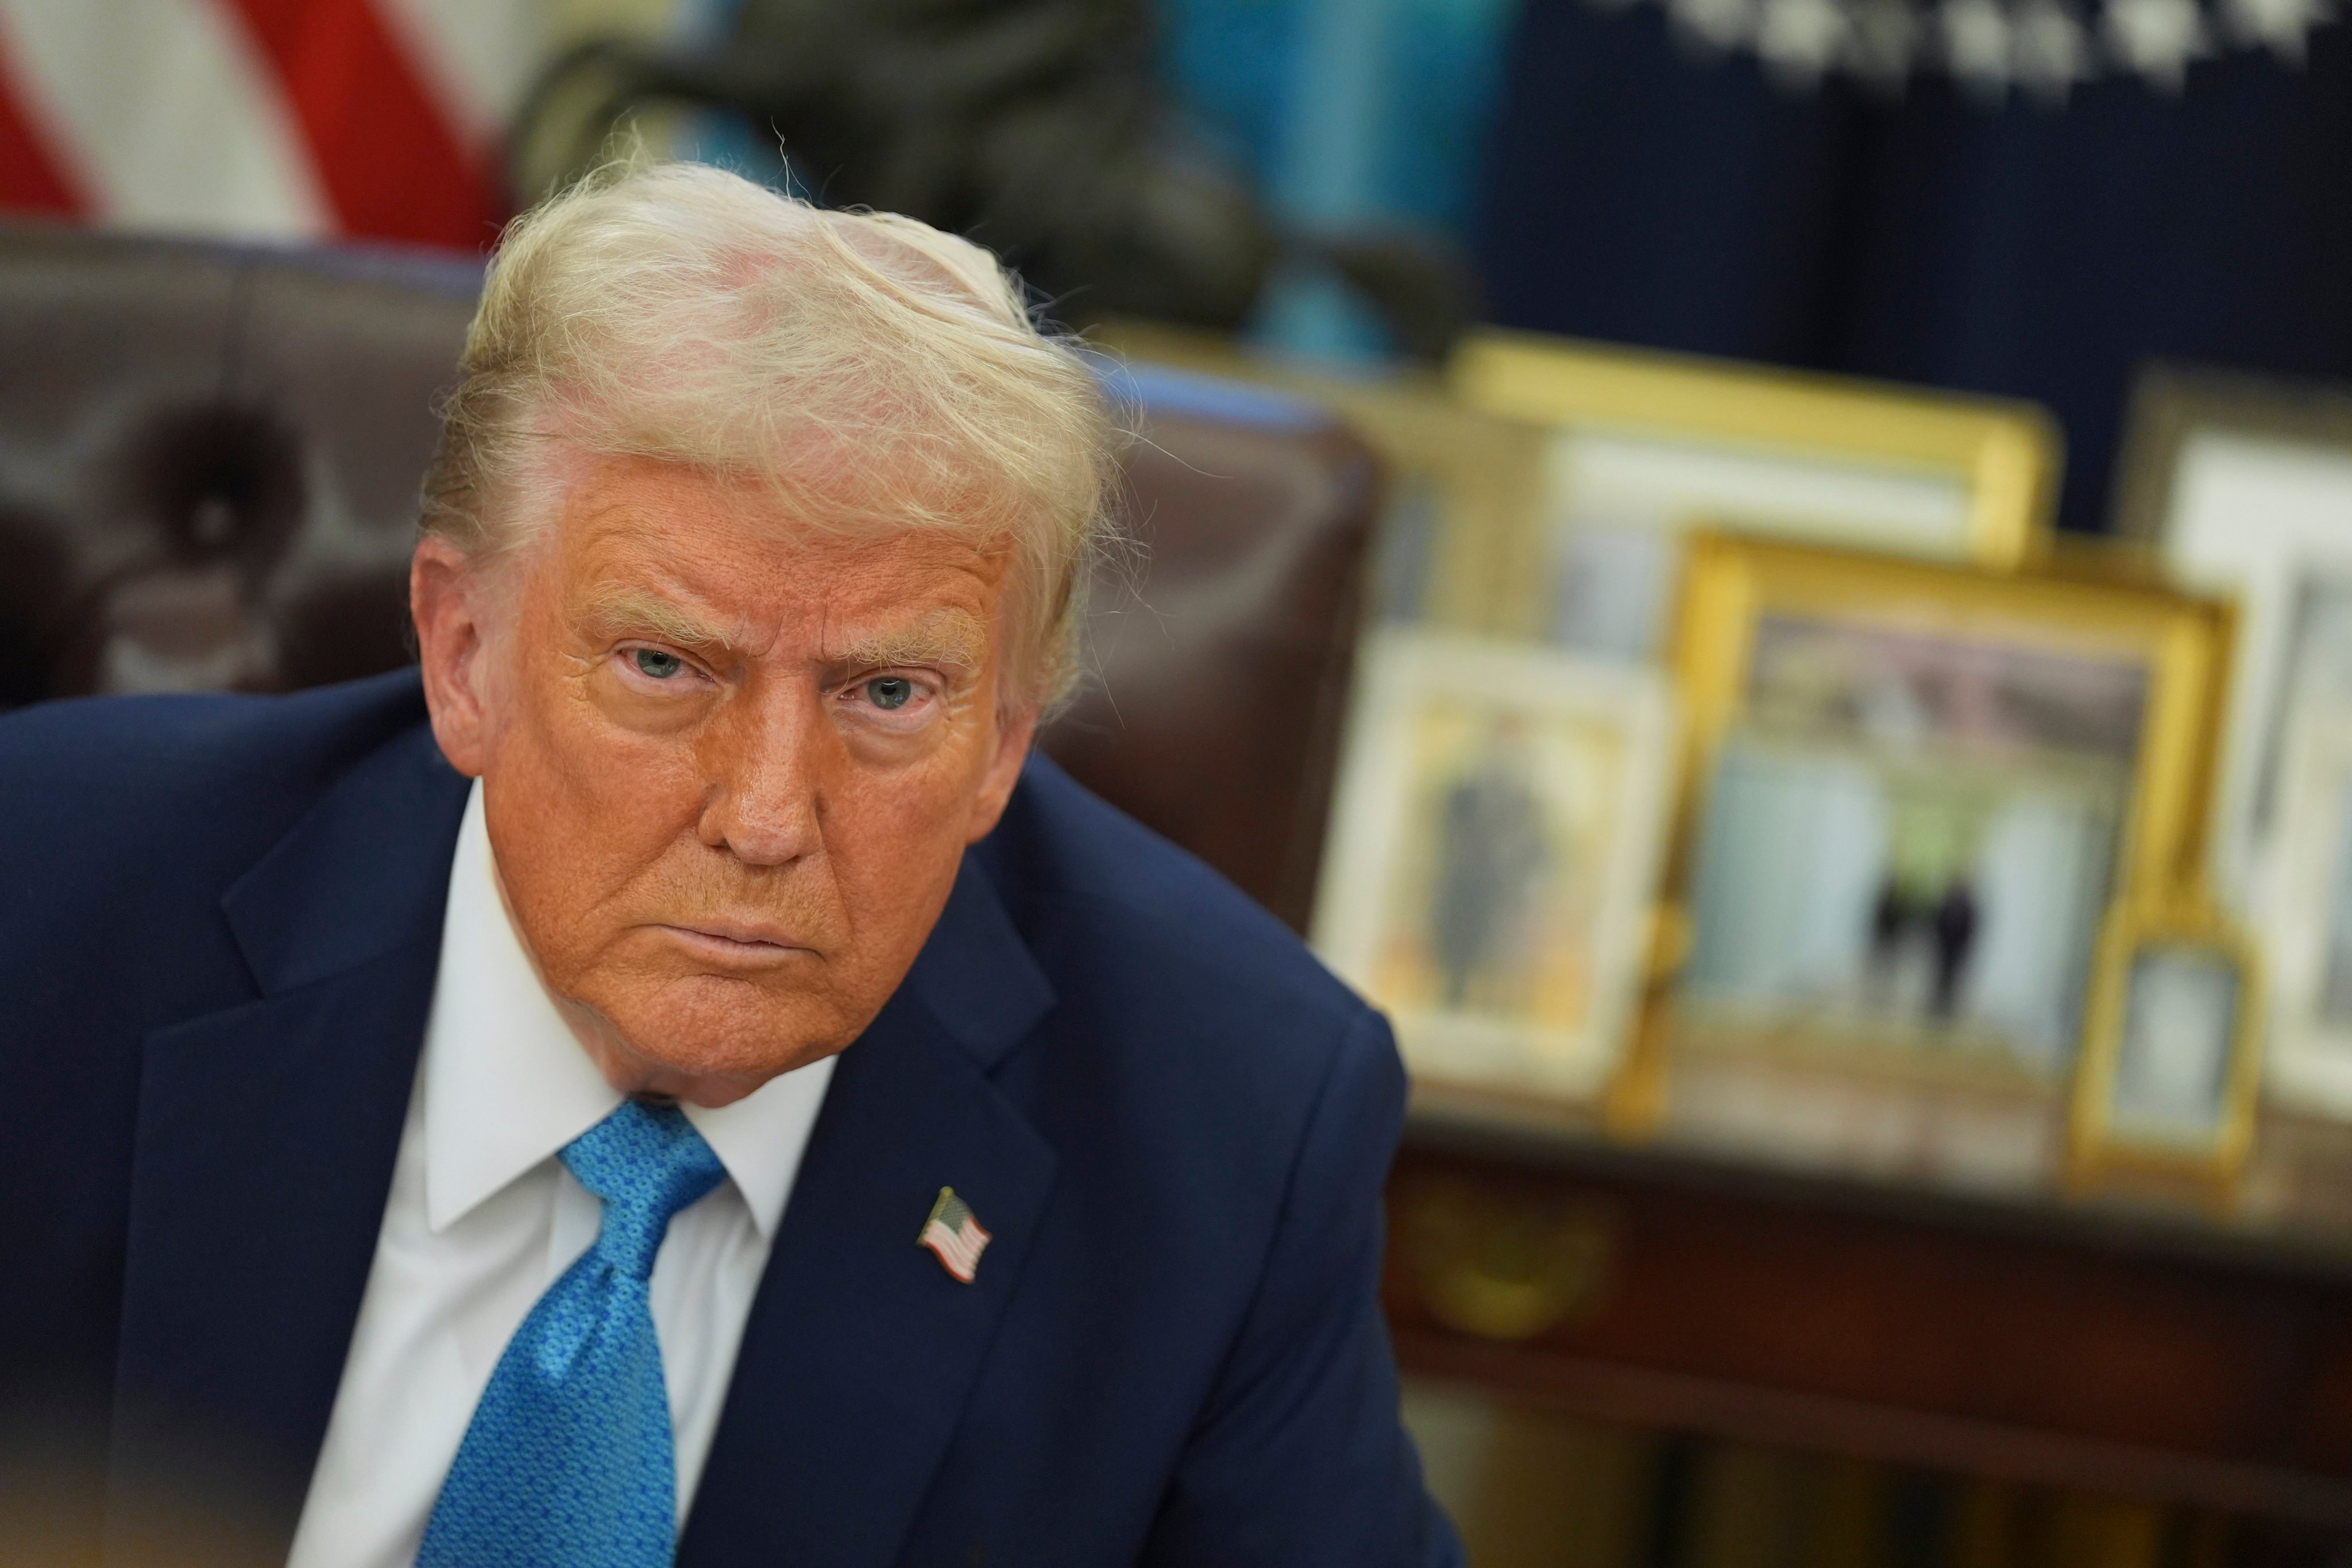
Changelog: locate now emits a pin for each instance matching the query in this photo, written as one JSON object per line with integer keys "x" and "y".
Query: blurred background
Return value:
{"x": 1965, "y": 280}
{"x": 2011, "y": 198}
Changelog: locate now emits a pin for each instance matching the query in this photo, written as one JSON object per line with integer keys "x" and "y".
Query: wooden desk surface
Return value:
{"x": 2140, "y": 1351}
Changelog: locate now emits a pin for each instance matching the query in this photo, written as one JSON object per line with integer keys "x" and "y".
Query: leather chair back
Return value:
{"x": 209, "y": 459}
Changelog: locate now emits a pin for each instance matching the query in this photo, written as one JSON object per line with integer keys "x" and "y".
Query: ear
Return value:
{"x": 1014, "y": 731}
{"x": 450, "y": 602}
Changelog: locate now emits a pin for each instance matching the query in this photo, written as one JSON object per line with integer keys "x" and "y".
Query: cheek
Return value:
{"x": 581, "y": 810}
{"x": 896, "y": 839}
{"x": 914, "y": 802}
{"x": 599, "y": 759}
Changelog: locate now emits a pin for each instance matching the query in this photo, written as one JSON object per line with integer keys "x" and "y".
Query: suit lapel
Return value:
{"x": 266, "y": 1139}
{"x": 265, "y": 1145}
{"x": 861, "y": 1349}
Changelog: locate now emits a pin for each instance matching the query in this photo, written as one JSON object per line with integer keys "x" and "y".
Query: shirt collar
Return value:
{"x": 506, "y": 1084}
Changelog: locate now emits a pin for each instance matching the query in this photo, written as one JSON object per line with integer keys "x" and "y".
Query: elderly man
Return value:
{"x": 674, "y": 1079}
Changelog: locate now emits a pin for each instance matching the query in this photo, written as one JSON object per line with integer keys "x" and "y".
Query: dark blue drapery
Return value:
{"x": 1645, "y": 190}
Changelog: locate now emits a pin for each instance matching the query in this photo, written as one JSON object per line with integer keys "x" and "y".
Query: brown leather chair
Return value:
{"x": 208, "y": 466}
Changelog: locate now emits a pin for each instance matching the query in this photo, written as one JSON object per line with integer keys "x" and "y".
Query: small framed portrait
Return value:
{"x": 2170, "y": 1069}
{"x": 2307, "y": 922}
{"x": 1463, "y": 485}
{"x": 2244, "y": 487}
{"x": 1493, "y": 854}
{"x": 1913, "y": 791}
{"x": 1644, "y": 445}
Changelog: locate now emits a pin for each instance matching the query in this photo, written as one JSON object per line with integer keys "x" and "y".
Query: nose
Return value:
{"x": 762, "y": 762}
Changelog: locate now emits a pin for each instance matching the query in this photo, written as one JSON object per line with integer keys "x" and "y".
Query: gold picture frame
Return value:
{"x": 1647, "y": 442}
{"x": 2165, "y": 1086}
{"x": 2170, "y": 405}
{"x": 1492, "y": 856}
{"x": 2306, "y": 924}
{"x": 1464, "y": 484}
{"x": 2242, "y": 485}
{"x": 1779, "y": 652}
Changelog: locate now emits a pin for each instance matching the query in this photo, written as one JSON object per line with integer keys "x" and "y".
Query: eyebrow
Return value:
{"x": 952, "y": 636}
{"x": 616, "y": 611}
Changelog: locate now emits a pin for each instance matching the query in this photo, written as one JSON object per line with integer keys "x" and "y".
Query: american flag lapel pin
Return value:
{"x": 953, "y": 1234}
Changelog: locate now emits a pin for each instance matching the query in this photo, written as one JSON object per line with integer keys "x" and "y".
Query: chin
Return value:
{"x": 708, "y": 1027}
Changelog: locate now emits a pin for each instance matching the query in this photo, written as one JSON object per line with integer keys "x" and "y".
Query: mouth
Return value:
{"x": 731, "y": 947}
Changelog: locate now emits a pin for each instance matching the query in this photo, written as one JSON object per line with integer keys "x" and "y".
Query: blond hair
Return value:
{"x": 868, "y": 369}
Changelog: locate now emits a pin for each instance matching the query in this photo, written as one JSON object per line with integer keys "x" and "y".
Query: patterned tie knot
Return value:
{"x": 647, "y": 1162}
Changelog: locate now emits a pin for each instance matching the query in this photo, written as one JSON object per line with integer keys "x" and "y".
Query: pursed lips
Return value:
{"x": 739, "y": 946}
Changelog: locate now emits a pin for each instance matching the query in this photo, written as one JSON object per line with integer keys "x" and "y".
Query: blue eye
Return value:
{"x": 889, "y": 692}
{"x": 653, "y": 662}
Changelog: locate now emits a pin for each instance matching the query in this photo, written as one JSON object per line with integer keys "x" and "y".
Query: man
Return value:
{"x": 674, "y": 1076}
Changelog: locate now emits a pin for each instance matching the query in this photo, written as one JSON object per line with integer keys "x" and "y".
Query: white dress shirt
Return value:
{"x": 483, "y": 1218}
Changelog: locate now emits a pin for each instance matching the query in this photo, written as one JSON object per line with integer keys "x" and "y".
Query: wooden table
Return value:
{"x": 2142, "y": 1353}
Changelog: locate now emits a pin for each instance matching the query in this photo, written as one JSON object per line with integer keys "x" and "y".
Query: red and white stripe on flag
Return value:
{"x": 954, "y": 1234}
{"x": 263, "y": 118}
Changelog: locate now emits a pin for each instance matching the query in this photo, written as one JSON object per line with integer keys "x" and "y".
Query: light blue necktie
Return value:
{"x": 568, "y": 1462}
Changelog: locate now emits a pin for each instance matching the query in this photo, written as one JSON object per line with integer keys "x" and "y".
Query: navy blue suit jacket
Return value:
{"x": 219, "y": 919}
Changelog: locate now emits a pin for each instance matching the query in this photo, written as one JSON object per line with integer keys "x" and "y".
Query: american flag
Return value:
{"x": 287, "y": 120}
{"x": 954, "y": 1234}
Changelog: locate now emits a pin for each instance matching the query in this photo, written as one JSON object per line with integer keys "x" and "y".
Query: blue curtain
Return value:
{"x": 1646, "y": 187}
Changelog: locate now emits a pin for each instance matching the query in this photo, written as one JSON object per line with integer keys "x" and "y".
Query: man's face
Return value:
{"x": 729, "y": 765}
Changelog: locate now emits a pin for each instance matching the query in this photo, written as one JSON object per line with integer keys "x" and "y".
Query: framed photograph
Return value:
{"x": 1463, "y": 485}
{"x": 2244, "y": 487}
{"x": 1643, "y": 445}
{"x": 2307, "y": 923}
{"x": 1914, "y": 791}
{"x": 1493, "y": 854}
{"x": 2171, "y": 1067}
